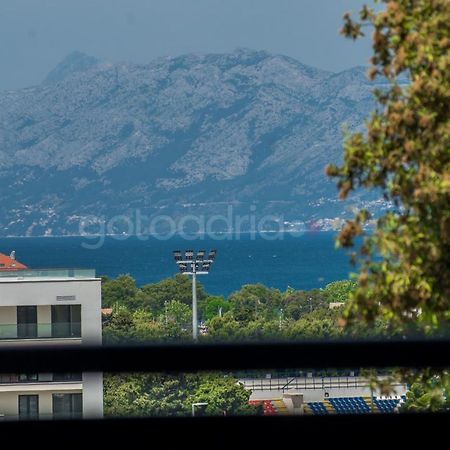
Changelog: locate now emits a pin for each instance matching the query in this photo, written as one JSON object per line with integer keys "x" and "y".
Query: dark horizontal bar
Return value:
{"x": 234, "y": 433}
{"x": 187, "y": 358}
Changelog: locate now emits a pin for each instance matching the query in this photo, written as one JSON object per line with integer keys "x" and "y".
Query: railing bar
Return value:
{"x": 185, "y": 358}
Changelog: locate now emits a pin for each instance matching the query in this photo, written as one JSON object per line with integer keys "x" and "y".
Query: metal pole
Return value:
{"x": 165, "y": 312}
{"x": 194, "y": 303}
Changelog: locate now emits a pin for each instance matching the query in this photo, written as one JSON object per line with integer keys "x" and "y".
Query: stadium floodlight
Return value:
{"x": 190, "y": 266}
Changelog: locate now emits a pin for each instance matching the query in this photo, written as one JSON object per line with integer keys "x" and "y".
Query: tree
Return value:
{"x": 254, "y": 301}
{"x": 169, "y": 395}
{"x": 224, "y": 396}
{"x": 125, "y": 325}
{"x": 319, "y": 324}
{"x": 339, "y": 291}
{"x": 224, "y": 328}
{"x": 298, "y": 303}
{"x": 148, "y": 395}
{"x": 405, "y": 153}
{"x": 429, "y": 392}
{"x": 152, "y": 297}
{"x": 177, "y": 321}
{"x": 122, "y": 290}
{"x": 213, "y": 306}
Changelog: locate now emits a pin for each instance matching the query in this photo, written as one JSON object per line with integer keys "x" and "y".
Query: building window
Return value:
{"x": 62, "y": 377}
{"x": 67, "y": 406}
{"x": 28, "y": 378}
{"x": 27, "y": 322}
{"x": 66, "y": 321}
{"x": 6, "y": 378}
{"x": 28, "y": 407}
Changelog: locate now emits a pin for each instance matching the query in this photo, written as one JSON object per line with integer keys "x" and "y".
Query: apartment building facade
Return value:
{"x": 50, "y": 307}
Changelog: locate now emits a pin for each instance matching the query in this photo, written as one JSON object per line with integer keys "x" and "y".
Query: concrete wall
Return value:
{"x": 9, "y": 401}
{"x": 43, "y": 294}
{"x": 44, "y": 316}
{"x": 8, "y": 315}
{"x": 92, "y": 395}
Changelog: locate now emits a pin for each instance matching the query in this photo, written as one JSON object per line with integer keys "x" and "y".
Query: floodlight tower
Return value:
{"x": 190, "y": 265}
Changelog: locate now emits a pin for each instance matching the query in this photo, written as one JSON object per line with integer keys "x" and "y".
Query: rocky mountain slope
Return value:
{"x": 195, "y": 134}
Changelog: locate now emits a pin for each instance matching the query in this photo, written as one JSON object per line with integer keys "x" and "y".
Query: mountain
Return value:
{"x": 195, "y": 134}
{"x": 70, "y": 65}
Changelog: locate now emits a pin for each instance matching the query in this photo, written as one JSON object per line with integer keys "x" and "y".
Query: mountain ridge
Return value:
{"x": 243, "y": 128}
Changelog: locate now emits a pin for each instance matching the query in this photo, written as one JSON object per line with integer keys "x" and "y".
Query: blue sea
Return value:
{"x": 305, "y": 262}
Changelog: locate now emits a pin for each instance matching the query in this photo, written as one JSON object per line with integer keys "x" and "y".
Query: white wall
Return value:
{"x": 8, "y": 314}
{"x": 92, "y": 395}
{"x": 9, "y": 401}
{"x": 44, "y": 293}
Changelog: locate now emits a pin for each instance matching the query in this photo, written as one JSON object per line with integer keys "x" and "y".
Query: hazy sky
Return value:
{"x": 36, "y": 34}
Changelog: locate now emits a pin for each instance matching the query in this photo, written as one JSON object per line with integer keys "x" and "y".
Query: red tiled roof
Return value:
{"x": 7, "y": 264}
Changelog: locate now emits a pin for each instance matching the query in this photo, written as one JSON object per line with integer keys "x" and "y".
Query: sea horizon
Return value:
{"x": 303, "y": 262}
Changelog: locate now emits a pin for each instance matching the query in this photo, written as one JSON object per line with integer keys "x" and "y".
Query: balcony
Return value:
{"x": 47, "y": 274}
{"x": 33, "y": 378}
{"x": 60, "y": 330}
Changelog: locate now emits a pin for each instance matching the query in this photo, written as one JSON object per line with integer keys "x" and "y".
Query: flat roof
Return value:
{"x": 48, "y": 275}
{"x": 8, "y": 263}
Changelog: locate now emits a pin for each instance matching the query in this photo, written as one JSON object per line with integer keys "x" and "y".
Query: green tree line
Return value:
{"x": 162, "y": 312}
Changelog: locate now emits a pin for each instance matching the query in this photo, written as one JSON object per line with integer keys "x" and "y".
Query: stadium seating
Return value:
{"x": 388, "y": 405}
{"x": 269, "y": 408}
{"x": 317, "y": 408}
{"x": 280, "y": 406}
{"x": 337, "y": 405}
{"x": 350, "y": 405}
{"x": 354, "y": 405}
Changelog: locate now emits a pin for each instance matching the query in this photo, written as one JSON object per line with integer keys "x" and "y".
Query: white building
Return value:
{"x": 50, "y": 307}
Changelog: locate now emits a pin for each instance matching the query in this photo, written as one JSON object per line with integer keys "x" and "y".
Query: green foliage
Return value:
{"x": 405, "y": 153}
{"x": 298, "y": 303}
{"x": 168, "y": 395}
{"x": 313, "y": 328}
{"x": 121, "y": 290}
{"x": 177, "y": 321}
{"x": 213, "y": 306}
{"x": 128, "y": 326}
{"x": 147, "y": 395}
{"x": 224, "y": 328}
{"x": 429, "y": 392}
{"x": 152, "y": 297}
{"x": 253, "y": 313}
{"x": 404, "y": 281}
{"x": 339, "y": 291}
{"x": 224, "y": 395}
{"x": 255, "y": 301}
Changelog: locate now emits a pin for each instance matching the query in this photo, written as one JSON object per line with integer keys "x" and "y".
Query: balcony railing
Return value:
{"x": 15, "y": 378}
{"x": 29, "y": 274}
{"x": 338, "y": 431}
{"x": 40, "y": 330}
{"x": 304, "y": 383}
